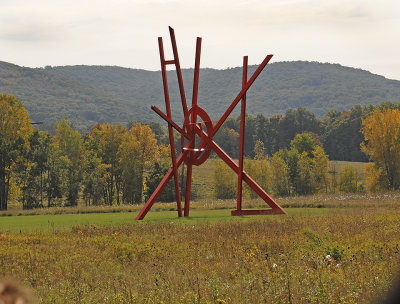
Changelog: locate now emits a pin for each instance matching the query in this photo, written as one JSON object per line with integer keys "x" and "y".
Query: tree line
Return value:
{"x": 112, "y": 164}
{"x": 106, "y": 165}
{"x": 303, "y": 169}
{"x": 339, "y": 133}
{"x": 300, "y": 170}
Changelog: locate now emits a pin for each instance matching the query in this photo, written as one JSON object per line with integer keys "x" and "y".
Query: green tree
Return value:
{"x": 302, "y": 173}
{"x": 31, "y": 170}
{"x": 94, "y": 180}
{"x": 69, "y": 142}
{"x": 342, "y": 134}
{"x": 15, "y": 129}
{"x": 228, "y": 140}
{"x": 161, "y": 167}
{"x": 57, "y": 174}
{"x": 106, "y": 140}
{"x": 304, "y": 142}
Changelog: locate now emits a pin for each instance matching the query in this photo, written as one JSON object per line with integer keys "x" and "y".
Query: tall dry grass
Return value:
{"x": 339, "y": 257}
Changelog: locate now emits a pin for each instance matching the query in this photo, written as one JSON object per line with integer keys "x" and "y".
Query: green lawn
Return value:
{"x": 62, "y": 222}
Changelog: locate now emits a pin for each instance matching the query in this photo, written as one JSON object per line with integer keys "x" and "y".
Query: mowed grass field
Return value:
{"x": 328, "y": 249}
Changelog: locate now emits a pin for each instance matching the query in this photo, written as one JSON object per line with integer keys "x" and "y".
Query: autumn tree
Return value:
{"x": 381, "y": 132}
{"x": 259, "y": 169}
{"x": 350, "y": 180}
{"x": 280, "y": 182}
{"x": 137, "y": 153}
{"x": 321, "y": 169}
{"x": 225, "y": 183}
{"x": 15, "y": 129}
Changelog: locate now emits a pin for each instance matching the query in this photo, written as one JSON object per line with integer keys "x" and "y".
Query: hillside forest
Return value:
{"x": 85, "y": 95}
{"x": 112, "y": 165}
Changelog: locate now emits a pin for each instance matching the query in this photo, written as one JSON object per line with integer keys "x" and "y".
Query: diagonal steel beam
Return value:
{"x": 169, "y": 121}
{"x": 164, "y": 182}
{"x": 231, "y": 163}
{"x": 242, "y": 93}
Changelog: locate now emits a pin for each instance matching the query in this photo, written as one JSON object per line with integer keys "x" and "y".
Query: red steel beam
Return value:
{"x": 249, "y": 181}
{"x": 169, "y": 121}
{"x": 242, "y": 133}
{"x": 159, "y": 189}
{"x": 241, "y": 93}
{"x": 193, "y": 121}
{"x": 178, "y": 70}
{"x": 196, "y": 75}
{"x": 170, "y": 131}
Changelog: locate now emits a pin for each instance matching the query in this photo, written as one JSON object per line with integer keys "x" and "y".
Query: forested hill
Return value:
{"x": 85, "y": 94}
{"x": 49, "y": 98}
{"x": 319, "y": 87}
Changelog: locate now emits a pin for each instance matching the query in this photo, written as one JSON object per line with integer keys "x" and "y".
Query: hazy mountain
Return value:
{"x": 86, "y": 94}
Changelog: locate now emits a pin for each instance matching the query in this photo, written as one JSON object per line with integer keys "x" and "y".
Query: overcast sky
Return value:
{"x": 357, "y": 33}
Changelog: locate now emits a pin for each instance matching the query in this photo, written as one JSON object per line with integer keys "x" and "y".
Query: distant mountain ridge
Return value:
{"x": 87, "y": 94}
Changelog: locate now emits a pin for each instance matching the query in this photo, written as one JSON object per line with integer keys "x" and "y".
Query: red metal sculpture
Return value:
{"x": 197, "y": 124}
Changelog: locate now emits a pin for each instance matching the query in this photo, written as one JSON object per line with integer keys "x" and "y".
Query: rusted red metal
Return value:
{"x": 192, "y": 129}
{"x": 241, "y": 143}
{"x": 170, "y": 131}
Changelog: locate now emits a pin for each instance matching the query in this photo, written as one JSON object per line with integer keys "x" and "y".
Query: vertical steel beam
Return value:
{"x": 170, "y": 130}
{"x": 193, "y": 121}
{"x": 196, "y": 73}
{"x": 241, "y": 144}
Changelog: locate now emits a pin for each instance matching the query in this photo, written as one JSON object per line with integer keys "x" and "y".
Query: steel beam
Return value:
{"x": 242, "y": 133}
{"x": 170, "y": 131}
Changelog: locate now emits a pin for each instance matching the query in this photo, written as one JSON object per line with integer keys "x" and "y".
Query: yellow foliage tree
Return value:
{"x": 259, "y": 169}
{"x": 225, "y": 182}
{"x": 381, "y": 132}
{"x": 138, "y": 152}
{"x": 15, "y": 128}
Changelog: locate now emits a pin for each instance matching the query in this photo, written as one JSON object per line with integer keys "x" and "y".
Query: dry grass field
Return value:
{"x": 328, "y": 249}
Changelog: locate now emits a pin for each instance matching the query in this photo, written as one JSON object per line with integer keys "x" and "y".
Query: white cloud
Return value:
{"x": 124, "y": 32}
